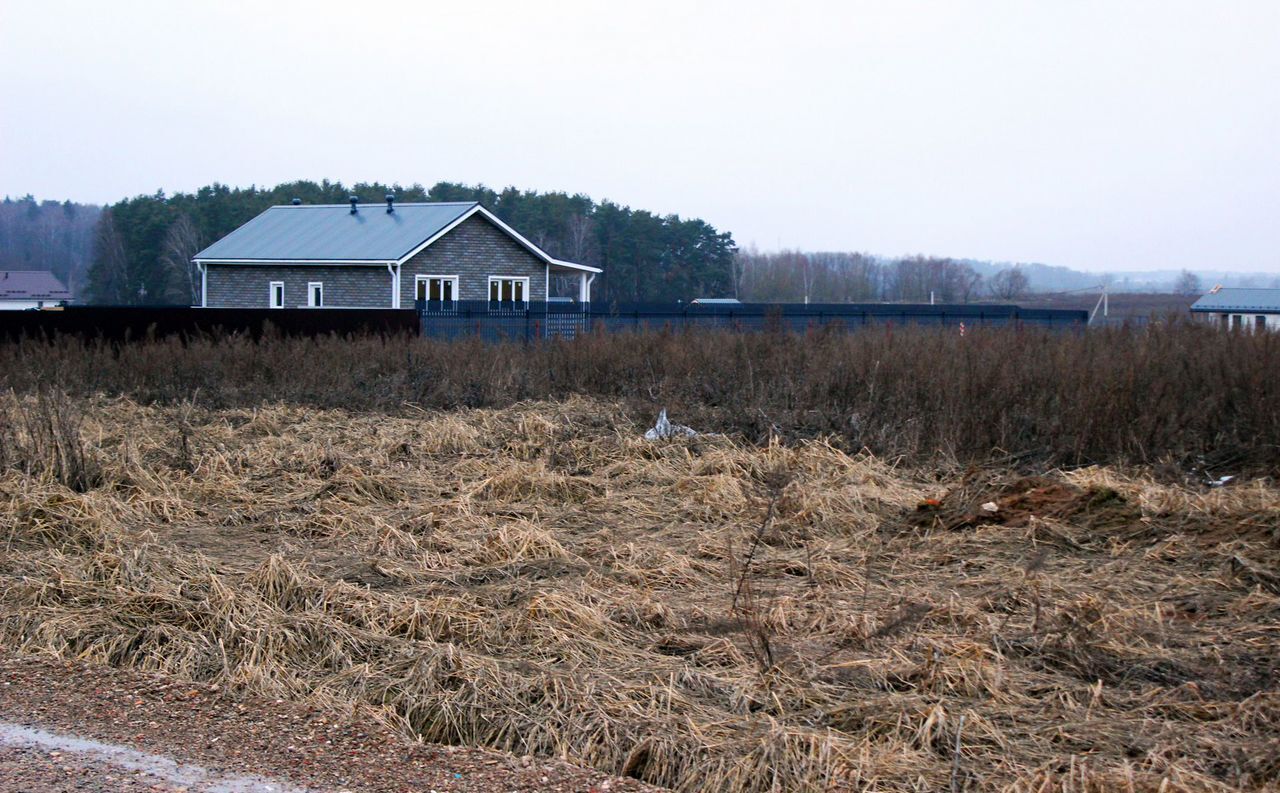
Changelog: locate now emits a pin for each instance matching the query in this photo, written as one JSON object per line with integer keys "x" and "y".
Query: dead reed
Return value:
{"x": 540, "y": 580}
{"x": 1172, "y": 392}
{"x": 41, "y": 437}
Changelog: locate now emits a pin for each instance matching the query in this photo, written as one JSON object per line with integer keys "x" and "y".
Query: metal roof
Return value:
{"x": 330, "y": 232}
{"x": 1239, "y": 299}
{"x": 31, "y": 285}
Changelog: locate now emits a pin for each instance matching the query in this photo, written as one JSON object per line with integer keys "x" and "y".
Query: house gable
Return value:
{"x": 474, "y": 250}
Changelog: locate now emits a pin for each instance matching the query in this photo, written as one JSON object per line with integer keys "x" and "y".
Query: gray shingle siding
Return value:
{"x": 247, "y": 286}
{"x": 473, "y": 251}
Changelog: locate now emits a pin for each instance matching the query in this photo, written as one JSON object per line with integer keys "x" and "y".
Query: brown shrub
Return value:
{"x": 1162, "y": 392}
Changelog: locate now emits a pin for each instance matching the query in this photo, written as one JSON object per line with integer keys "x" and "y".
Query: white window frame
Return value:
{"x": 427, "y": 279}
{"x": 271, "y": 294}
{"x": 312, "y": 286}
{"x": 488, "y": 292}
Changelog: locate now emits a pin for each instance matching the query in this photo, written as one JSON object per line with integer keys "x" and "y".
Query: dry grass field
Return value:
{"x": 697, "y": 613}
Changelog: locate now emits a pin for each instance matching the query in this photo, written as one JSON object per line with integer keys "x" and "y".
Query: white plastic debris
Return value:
{"x": 991, "y": 506}
{"x": 1220, "y": 481}
{"x": 664, "y": 429}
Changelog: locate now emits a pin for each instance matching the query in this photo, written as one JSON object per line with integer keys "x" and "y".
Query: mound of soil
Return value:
{"x": 1016, "y": 502}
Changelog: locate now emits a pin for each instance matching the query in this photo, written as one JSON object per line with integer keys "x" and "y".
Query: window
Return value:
{"x": 1237, "y": 322}
{"x": 275, "y": 295}
{"x": 504, "y": 289}
{"x": 315, "y": 294}
{"x": 1260, "y": 322}
{"x": 441, "y": 289}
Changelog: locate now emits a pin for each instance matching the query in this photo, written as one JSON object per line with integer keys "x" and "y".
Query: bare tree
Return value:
{"x": 1187, "y": 283}
{"x": 181, "y": 243}
{"x": 109, "y": 277}
{"x": 970, "y": 281}
{"x": 1010, "y": 284}
{"x": 48, "y": 235}
{"x": 581, "y": 239}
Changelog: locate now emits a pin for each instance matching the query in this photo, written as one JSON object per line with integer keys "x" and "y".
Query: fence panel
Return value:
{"x": 131, "y": 323}
{"x": 530, "y": 321}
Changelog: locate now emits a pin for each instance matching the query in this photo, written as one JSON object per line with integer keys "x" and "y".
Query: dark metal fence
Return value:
{"x": 124, "y": 323}
{"x": 506, "y": 321}
{"x": 527, "y": 321}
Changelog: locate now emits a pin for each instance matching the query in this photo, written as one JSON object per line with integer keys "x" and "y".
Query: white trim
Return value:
{"x": 575, "y": 266}
{"x": 204, "y": 284}
{"x": 335, "y": 262}
{"x": 489, "y": 288}
{"x": 495, "y": 220}
{"x": 311, "y": 294}
{"x": 546, "y": 288}
{"x": 452, "y": 225}
{"x": 515, "y": 235}
{"x": 589, "y": 282}
{"x": 420, "y": 277}
{"x": 394, "y": 269}
{"x": 271, "y": 294}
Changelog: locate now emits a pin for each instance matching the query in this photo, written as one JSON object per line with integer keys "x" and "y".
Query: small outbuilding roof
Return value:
{"x": 31, "y": 285}
{"x": 334, "y": 234}
{"x": 1225, "y": 299}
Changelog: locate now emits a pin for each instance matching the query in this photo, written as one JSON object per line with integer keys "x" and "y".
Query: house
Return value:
{"x": 27, "y": 289}
{"x": 1239, "y": 308}
{"x": 380, "y": 256}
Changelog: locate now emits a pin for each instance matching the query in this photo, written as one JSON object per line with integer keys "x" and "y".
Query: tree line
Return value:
{"x": 143, "y": 245}
{"x": 801, "y": 277}
{"x": 55, "y": 236}
{"x": 138, "y": 251}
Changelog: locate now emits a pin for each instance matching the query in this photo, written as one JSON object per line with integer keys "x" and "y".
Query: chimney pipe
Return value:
{"x": 354, "y": 199}
{"x": 296, "y": 202}
{"x": 390, "y": 201}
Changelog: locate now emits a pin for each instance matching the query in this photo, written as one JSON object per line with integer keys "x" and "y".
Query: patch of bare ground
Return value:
{"x": 697, "y": 614}
{"x": 161, "y": 733}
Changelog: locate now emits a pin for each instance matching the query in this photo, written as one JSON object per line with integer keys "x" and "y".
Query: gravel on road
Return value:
{"x": 72, "y": 727}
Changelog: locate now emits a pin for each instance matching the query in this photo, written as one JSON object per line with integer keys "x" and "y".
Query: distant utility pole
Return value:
{"x": 1103, "y": 303}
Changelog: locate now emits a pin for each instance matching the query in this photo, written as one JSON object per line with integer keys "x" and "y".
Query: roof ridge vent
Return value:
{"x": 391, "y": 198}
{"x": 354, "y": 200}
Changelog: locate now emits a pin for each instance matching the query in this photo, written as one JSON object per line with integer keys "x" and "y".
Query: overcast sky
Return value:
{"x": 1097, "y": 135}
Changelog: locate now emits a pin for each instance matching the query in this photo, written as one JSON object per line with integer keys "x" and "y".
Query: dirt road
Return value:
{"x": 67, "y": 727}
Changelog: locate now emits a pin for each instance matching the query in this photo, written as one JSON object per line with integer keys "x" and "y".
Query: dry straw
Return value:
{"x": 538, "y": 579}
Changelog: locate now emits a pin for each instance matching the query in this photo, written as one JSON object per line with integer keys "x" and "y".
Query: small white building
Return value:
{"x": 1237, "y": 308}
{"x": 21, "y": 290}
